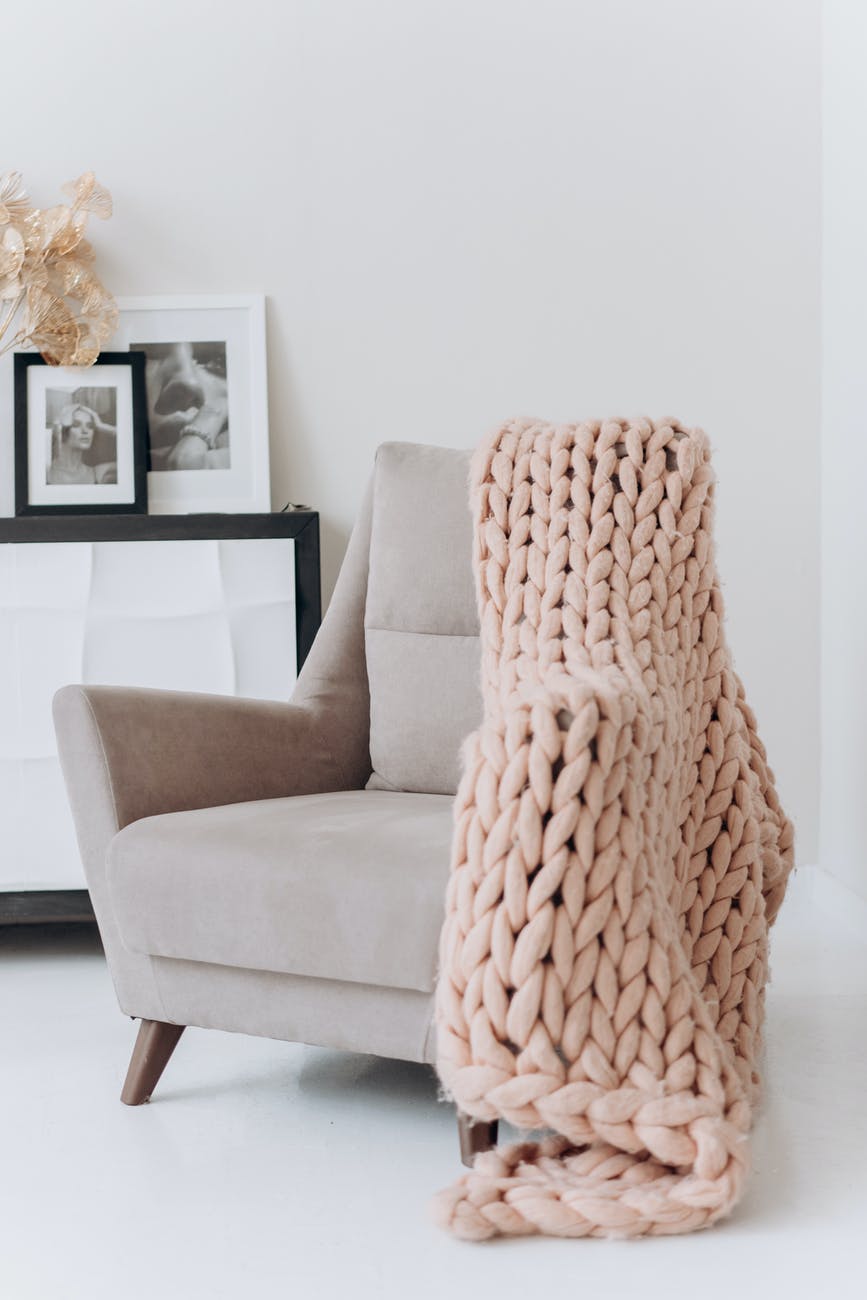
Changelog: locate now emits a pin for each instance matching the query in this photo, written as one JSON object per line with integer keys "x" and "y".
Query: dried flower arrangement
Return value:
{"x": 48, "y": 288}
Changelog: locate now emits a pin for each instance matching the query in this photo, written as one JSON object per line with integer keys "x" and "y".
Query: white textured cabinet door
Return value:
{"x": 216, "y": 616}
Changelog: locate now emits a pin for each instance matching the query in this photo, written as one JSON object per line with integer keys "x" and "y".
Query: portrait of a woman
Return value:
{"x": 83, "y": 447}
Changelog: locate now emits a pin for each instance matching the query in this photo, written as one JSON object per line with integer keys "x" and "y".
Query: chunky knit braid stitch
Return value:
{"x": 619, "y": 848}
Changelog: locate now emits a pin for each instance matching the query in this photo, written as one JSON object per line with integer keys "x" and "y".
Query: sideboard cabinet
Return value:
{"x": 227, "y": 604}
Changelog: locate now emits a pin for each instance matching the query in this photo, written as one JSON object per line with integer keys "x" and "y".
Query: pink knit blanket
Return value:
{"x": 619, "y": 849}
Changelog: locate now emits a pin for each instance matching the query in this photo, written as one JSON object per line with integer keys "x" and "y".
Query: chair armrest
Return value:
{"x": 151, "y": 752}
{"x": 128, "y": 754}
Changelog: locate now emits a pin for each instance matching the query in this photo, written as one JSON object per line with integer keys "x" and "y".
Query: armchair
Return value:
{"x": 280, "y": 869}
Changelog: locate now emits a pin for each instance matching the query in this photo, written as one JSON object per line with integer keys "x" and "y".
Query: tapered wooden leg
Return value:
{"x": 155, "y": 1043}
{"x": 476, "y": 1135}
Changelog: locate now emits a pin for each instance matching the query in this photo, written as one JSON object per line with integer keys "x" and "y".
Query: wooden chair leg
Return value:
{"x": 475, "y": 1135}
{"x": 154, "y": 1045}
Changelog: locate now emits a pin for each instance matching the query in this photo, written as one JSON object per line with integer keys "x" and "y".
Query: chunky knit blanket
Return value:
{"x": 619, "y": 848}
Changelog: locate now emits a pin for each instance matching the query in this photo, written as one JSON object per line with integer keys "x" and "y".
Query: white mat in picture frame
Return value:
{"x": 207, "y": 400}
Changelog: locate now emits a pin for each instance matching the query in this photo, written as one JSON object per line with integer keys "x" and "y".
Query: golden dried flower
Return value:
{"x": 11, "y": 262}
{"x": 89, "y": 196}
{"x": 13, "y": 200}
{"x": 47, "y": 283}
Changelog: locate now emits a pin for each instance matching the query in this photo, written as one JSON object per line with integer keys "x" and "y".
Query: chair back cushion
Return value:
{"x": 421, "y": 624}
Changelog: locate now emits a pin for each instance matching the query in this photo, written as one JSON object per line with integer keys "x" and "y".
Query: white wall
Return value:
{"x": 843, "y": 846}
{"x": 467, "y": 209}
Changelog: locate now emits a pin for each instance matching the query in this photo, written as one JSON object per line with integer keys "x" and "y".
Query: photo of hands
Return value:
{"x": 188, "y": 405}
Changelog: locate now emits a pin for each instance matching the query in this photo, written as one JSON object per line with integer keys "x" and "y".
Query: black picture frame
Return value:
{"x": 135, "y": 361}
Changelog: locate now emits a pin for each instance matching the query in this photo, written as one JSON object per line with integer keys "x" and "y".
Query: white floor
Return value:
{"x": 269, "y": 1170}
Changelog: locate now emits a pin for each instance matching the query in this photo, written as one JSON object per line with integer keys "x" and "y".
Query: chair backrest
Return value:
{"x": 396, "y": 665}
{"x": 421, "y": 625}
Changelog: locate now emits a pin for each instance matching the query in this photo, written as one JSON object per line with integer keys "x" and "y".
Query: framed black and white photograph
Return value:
{"x": 207, "y": 400}
{"x": 80, "y": 436}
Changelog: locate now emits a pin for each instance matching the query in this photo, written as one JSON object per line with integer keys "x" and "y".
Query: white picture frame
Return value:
{"x": 231, "y": 472}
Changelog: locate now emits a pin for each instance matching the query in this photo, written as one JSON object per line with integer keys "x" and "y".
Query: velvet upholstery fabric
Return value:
{"x": 421, "y": 623}
{"x": 164, "y": 788}
{"x": 298, "y": 1008}
{"x": 126, "y": 755}
{"x": 345, "y": 886}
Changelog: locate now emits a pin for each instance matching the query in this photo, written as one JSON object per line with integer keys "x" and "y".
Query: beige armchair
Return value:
{"x": 280, "y": 869}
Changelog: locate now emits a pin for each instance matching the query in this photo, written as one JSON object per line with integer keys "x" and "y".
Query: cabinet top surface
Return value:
{"x": 145, "y": 528}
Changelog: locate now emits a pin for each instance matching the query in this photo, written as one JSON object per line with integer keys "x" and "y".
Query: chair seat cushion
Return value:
{"x": 345, "y": 886}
